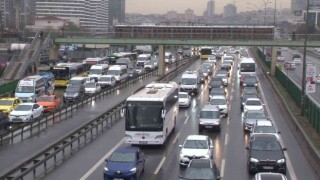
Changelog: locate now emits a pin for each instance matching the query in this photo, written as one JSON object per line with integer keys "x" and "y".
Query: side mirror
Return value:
{"x": 211, "y": 147}
{"x": 198, "y": 116}
{"x": 163, "y": 113}
{"x": 180, "y": 146}
{"x": 279, "y": 132}
{"x": 247, "y": 148}
{"x": 122, "y": 112}
{"x": 284, "y": 149}
{"x": 106, "y": 160}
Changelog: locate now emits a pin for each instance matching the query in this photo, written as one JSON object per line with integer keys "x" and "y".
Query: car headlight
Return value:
{"x": 30, "y": 98}
{"x": 106, "y": 169}
{"x": 76, "y": 94}
{"x": 254, "y": 160}
{"x": 133, "y": 170}
{"x": 256, "y": 85}
{"x": 281, "y": 161}
{"x": 244, "y": 84}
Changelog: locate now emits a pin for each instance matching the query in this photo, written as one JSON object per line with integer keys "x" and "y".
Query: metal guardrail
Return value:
{"x": 76, "y": 139}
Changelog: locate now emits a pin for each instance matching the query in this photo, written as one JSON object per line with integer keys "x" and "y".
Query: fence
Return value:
{"x": 312, "y": 108}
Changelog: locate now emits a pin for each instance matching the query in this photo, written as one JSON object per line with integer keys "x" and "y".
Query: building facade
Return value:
{"x": 229, "y": 10}
{"x": 210, "y": 11}
{"x": 88, "y": 14}
{"x": 117, "y": 12}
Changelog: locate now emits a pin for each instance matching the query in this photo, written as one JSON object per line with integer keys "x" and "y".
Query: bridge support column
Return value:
{"x": 161, "y": 64}
{"x": 273, "y": 61}
{"x": 53, "y": 52}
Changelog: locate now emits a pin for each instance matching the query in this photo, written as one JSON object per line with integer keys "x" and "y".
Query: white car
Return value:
{"x": 195, "y": 146}
{"x": 107, "y": 80}
{"x": 297, "y": 61}
{"x": 92, "y": 87}
{"x": 149, "y": 66}
{"x": 221, "y": 102}
{"x": 25, "y": 112}
{"x": 184, "y": 99}
{"x": 264, "y": 127}
{"x": 280, "y": 58}
{"x": 224, "y": 79}
{"x": 253, "y": 104}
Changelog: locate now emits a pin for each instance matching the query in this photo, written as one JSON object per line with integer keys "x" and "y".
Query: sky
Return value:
{"x": 163, "y": 6}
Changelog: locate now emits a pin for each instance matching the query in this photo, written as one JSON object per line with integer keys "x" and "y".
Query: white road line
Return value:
{"x": 186, "y": 120}
{"x": 86, "y": 175}
{"x": 160, "y": 165}
{"x": 228, "y": 121}
{"x": 223, "y": 163}
{"x": 289, "y": 164}
{"x": 176, "y": 138}
{"x": 226, "y": 140}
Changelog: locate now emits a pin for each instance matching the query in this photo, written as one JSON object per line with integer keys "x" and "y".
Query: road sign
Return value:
{"x": 310, "y": 78}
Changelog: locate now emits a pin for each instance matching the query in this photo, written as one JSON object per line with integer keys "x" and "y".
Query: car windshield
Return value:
{"x": 105, "y": 79}
{"x": 256, "y": 115}
{"x": 209, "y": 114}
{"x": 123, "y": 157}
{"x": 75, "y": 82}
{"x": 23, "y": 108}
{"x": 189, "y": 81}
{"x": 114, "y": 72}
{"x": 264, "y": 129}
{"x": 199, "y": 173}
{"x": 25, "y": 89}
{"x": 183, "y": 95}
{"x": 6, "y": 102}
{"x": 73, "y": 89}
{"x": 253, "y": 103}
{"x": 45, "y": 99}
{"x": 95, "y": 71}
{"x": 265, "y": 145}
{"x": 217, "y": 101}
{"x": 196, "y": 144}
{"x": 90, "y": 85}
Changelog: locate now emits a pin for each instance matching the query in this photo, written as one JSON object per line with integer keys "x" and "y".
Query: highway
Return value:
{"x": 230, "y": 154}
{"x": 296, "y": 75}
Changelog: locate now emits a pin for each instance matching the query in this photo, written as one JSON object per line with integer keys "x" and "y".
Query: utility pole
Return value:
{"x": 304, "y": 63}
{"x": 266, "y": 2}
{"x": 275, "y": 12}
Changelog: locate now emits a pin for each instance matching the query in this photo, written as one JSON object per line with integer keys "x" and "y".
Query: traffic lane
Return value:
{"x": 297, "y": 164}
{"x": 153, "y": 155}
{"x": 13, "y": 153}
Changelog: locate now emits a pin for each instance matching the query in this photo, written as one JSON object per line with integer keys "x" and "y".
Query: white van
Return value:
{"x": 119, "y": 71}
{"x": 125, "y": 61}
{"x": 190, "y": 82}
{"x": 167, "y": 57}
{"x": 143, "y": 58}
{"x": 98, "y": 70}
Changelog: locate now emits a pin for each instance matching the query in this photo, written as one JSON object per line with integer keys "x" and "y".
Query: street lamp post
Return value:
{"x": 266, "y": 2}
{"x": 304, "y": 63}
{"x": 275, "y": 11}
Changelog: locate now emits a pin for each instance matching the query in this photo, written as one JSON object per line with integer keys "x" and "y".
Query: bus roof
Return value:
{"x": 247, "y": 60}
{"x": 156, "y": 91}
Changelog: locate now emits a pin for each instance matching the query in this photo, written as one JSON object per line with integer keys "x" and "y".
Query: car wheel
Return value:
{"x": 200, "y": 129}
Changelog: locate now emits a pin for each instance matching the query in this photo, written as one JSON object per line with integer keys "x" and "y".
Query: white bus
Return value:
{"x": 151, "y": 114}
{"x": 247, "y": 66}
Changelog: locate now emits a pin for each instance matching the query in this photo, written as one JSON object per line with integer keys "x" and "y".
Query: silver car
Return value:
{"x": 209, "y": 118}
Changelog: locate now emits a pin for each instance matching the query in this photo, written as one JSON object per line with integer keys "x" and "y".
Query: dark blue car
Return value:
{"x": 125, "y": 163}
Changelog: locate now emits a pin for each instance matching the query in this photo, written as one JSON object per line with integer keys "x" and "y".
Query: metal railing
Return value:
{"x": 78, "y": 138}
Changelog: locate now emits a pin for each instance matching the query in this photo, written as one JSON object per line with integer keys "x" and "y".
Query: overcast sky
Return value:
{"x": 162, "y": 6}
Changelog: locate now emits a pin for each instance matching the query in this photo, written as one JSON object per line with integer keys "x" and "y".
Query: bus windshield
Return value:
{"x": 60, "y": 74}
{"x": 95, "y": 71}
{"x": 206, "y": 51}
{"x": 247, "y": 67}
{"x": 144, "y": 116}
{"x": 25, "y": 89}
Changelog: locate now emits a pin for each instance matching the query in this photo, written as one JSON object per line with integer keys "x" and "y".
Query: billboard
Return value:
{"x": 310, "y": 78}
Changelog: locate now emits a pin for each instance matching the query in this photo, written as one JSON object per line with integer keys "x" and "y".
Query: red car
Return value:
{"x": 49, "y": 102}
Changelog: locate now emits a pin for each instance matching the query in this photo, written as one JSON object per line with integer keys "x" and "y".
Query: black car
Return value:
{"x": 217, "y": 92}
{"x": 132, "y": 73}
{"x": 4, "y": 121}
{"x": 265, "y": 154}
{"x": 250, "y": 81}
{"x": 215, "y": 82}
{"x": 201, "y": 169}
{"x": 73, "y": 93}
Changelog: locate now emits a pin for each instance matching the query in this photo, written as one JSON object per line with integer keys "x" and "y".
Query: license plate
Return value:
{"x": 143, "y": 142}
{"x": 118, "y": 179}
{"x": 267, "y": 167}
{"x": 208, "y": 126}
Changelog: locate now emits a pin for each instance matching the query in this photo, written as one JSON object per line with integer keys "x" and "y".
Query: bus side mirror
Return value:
{"x": 163, "y": 113}
{"x": 122, "y": 113}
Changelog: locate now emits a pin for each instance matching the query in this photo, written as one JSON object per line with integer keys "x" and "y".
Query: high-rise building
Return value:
{"x": 189, "y": 15}
{"x": 26, "y": 13}
{"x": 229, "y": 10}
{"x": 210, "y": 8}
{"x": 116, "y": 12}
{"x": 298, "y": 5}
{"x": 89, "y": 14}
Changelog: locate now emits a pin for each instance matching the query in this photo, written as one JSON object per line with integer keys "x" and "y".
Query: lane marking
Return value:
{"x": 226, "y": 139}
{"x": 223, "y": 163}
{"x": 160, "y": 165}
{"x": 228, "y": 121}
{"x": 176, "y": 138}
{"x": 94, "y": 168}
{"x": 186, "y": 120}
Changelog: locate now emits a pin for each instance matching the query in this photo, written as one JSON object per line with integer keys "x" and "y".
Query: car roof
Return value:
{"x": 269, "y": 137}
{"x": 209, "y": 107}
{"x": 269, "y": 176}
{"x": 218, "y": 97}
{"x": 183, "y": 93}
{"x": 197, "y": 137}
{"x": 264, "y": 123}
{"x": 253, "y": 99}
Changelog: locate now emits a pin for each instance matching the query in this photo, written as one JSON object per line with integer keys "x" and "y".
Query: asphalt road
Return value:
{"x": 230, "y": 154}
